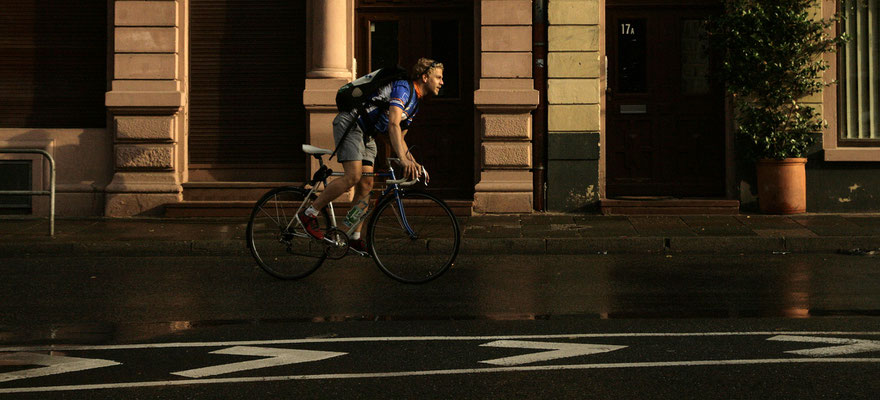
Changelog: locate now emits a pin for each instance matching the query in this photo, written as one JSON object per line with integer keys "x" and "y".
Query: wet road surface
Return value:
{"x": 624, "y": 327}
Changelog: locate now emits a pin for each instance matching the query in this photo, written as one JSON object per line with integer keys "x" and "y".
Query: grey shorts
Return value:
{"x": 353, "y": 148}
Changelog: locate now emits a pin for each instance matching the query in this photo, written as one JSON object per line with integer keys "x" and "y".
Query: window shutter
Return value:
{"x": 247, "y": 75}
{"x": 53, "y": 64}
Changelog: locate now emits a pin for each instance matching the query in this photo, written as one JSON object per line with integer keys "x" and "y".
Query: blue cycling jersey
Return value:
{"x": 395, "y": 94}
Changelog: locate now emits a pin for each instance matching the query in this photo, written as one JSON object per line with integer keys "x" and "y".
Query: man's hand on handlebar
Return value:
{"x": 411, "y": 169}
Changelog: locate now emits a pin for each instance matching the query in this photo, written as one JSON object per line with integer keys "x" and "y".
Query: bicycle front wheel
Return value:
{"x": 277, "y": 240}
{"x": 414, "y": 239}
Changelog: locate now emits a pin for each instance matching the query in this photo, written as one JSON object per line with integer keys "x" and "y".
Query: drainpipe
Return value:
{"x": 539, "y": 116}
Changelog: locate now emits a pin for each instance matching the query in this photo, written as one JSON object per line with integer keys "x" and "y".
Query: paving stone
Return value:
{"x": 768, "y": 222}
{"x": 710, "y": 225}
{"x": 869, "y": 223}
{"x": 661, "y": 226}
{"x": 487, "y": 220}
{"x": 547, "y": 219}
{"x": 492, "y": 232}
{"x": 602, "y": 226}
{"x": 803, "y": 232}
{"x": 831, "y": 225}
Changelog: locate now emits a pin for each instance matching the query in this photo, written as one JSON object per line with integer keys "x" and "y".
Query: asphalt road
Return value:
{"x": 775, "y": 326}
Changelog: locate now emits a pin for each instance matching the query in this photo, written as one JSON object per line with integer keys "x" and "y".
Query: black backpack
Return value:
{"x": 354, "y": 96}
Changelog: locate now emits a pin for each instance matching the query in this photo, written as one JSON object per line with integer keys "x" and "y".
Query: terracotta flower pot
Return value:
{"x": 782, "y": 186}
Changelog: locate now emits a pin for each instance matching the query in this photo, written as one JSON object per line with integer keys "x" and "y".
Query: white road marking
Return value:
{"x": 557, "y": 350}
{"x": 51, "y": 365}
{"x": 848, "y": 346}
{"x": 442, "y": 372}
{"x": 276, "y": 358}
{"x": 415, "y": 339}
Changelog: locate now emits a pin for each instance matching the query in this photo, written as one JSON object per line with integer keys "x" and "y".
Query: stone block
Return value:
{"x": 146, "y": 13}
{"x": 145, "y": 128}
{"x": 573, "y": 146}
{"x": 573, "y": 38}
{"x": 507, "y": 126}
{"x": 574, "y": 118}
{"x": 146, "y": 40}
{"x": 507, "y": 65}
{"x": 572, "y": 185}
{"x": 138, "y": 204}
{"x": 499, "y": 202}
{"x": 506, "y": 38}
{"x": 507, "y": 155}
{"x": 573, "y": 65}
{"x": 145, "y": 156}
{"x": 506, "y": 12}
{"x": 573, "y": 91}
{"x": 573, "y": 12}
{"x": 145, "y": 66}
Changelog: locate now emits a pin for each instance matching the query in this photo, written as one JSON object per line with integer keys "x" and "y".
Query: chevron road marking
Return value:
{"x": 557, "y": 350}
{"x": 846, "y": 346}
{"x": 51, "y": 365}
{"x": 276, "y": 358}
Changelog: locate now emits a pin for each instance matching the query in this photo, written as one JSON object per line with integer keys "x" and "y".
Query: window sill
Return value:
{"x": 853, "y": 154}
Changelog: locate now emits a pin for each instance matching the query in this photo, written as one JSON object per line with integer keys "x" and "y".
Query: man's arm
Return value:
{"x": 411, "y": 167}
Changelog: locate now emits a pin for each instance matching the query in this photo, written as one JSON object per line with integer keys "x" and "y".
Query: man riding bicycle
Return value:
{"x": 357, "y": 151}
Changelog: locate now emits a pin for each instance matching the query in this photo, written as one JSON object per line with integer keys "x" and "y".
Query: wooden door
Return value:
{"x": 665, "y": 116}
{"x": 442, "y": 134}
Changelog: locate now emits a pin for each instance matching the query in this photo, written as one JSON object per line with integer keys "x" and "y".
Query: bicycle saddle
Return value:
{"x": 309, "y": 149}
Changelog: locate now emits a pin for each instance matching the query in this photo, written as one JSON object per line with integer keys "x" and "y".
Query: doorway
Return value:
{"x": 442, "y": 134}
{"x": 665, "y": 116}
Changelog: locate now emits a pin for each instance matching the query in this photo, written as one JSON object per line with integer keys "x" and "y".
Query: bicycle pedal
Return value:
{"x": 360, "y": 253}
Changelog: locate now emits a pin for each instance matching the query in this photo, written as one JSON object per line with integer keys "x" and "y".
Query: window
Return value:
{"x": 856, "y": 136}
{"x": 53, "y": 64}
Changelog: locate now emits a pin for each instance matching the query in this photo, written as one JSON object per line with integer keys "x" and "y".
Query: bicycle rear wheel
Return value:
{"x": 418, "y": 254}
{"x": 277, "y": 240}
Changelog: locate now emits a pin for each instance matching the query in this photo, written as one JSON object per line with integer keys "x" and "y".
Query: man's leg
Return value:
{"x": 333, "y": 190}
{"x": 361, "y": 192}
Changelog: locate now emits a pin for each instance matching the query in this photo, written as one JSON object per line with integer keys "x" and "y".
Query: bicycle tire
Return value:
{"x": 416, "y": 259}
{"x": 277, "y": 241}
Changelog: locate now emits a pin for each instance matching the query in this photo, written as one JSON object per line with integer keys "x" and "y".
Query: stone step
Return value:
{"x": 669, "y": 206}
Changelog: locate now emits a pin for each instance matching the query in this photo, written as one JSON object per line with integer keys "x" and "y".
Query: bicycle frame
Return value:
{"x": 323, "y": 172}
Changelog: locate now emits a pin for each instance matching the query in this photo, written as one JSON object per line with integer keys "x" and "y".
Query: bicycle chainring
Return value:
{"x": 335, "y": 243}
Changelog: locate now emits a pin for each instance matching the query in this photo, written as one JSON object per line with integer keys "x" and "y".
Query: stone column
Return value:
{"x": 145, "y": 102}
{"x": 330, "y": 65}
{"x": 504, "y": 101}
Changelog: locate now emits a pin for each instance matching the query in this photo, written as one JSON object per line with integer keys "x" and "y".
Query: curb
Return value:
{"x": 475, "y": 246}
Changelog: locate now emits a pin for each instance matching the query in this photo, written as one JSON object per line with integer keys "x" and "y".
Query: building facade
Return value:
{"x": 195, "y": 107}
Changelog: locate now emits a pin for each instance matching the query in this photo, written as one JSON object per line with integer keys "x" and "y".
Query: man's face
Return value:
{"x": 434, "y": 81}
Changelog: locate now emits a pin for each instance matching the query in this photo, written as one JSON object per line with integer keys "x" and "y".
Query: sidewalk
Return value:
{"x": 504, "y": 234}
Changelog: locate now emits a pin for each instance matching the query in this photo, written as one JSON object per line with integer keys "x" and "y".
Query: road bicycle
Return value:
{"x": 411, "y": 235}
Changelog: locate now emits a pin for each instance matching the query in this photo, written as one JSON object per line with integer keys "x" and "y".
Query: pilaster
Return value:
{"x": 330, "y": 65}
{"x": 504, "y": 102}
{"x": 145, "y": 102}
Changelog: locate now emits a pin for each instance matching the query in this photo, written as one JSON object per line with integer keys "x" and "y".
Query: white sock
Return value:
{"x": 356, "y": 236}
{"x": 311, "y": 211}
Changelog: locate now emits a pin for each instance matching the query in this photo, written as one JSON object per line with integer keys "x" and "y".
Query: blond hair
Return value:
{"x": 423, "y": 66}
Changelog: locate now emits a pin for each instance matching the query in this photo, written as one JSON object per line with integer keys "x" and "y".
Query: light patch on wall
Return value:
{"x": 843, "y": 200}
{"x": 582, "y": 198}
{"x": 854, "y": 187}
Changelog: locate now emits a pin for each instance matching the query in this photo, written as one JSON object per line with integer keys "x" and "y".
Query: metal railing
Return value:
{"x": 50, "y": 192}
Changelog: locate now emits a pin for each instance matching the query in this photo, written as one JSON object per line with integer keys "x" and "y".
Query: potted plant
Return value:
{"x": 771, "y": 60}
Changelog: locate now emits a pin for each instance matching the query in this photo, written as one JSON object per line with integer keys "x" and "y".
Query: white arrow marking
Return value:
{"x": 276, "y": 357}
{"x": 557, "y": 350}
{"x": 849, "y": 346}
{"x": 52, "y": 365}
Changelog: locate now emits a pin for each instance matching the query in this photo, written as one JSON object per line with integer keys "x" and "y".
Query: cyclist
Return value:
{"x": 357, "y": 152}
